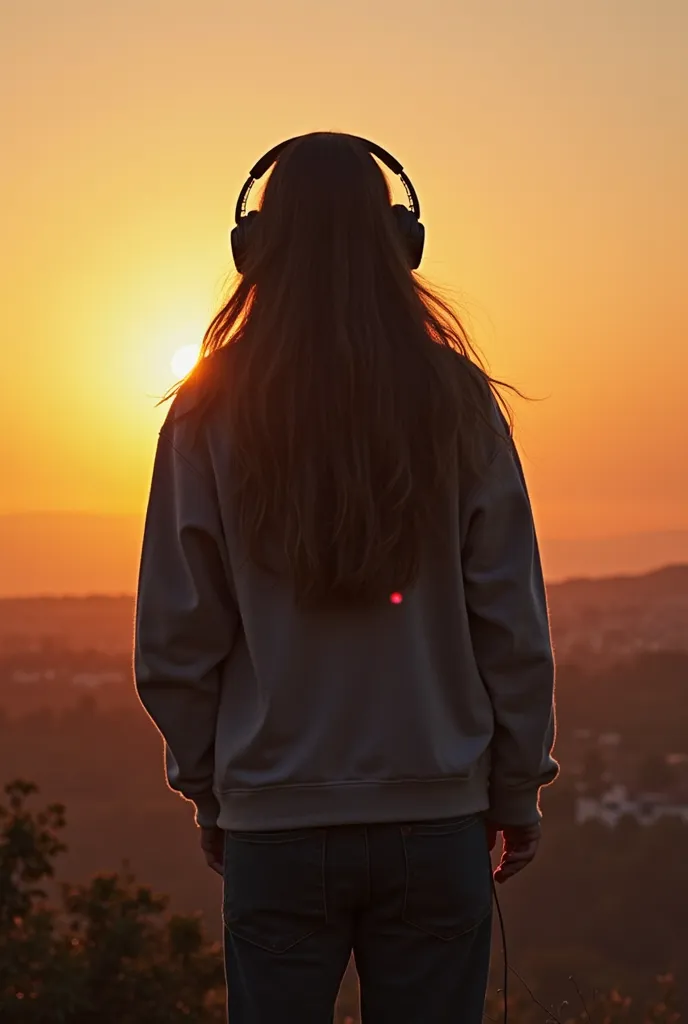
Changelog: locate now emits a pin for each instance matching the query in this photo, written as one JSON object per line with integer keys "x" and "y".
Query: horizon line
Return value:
{"x": 550, "y": 538}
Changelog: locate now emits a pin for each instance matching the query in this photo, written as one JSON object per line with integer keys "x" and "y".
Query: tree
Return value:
{"x": 109, "y": 953}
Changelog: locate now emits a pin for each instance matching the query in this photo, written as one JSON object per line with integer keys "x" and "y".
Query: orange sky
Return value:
{"x": 547, "y": 141}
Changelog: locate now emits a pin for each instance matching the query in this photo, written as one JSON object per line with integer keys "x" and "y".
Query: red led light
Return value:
{"x": 396, "y": 597}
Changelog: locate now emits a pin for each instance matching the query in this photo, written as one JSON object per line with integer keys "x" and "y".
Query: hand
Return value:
{"x": 213, "y": 846}
{"x": 520, "y": 845}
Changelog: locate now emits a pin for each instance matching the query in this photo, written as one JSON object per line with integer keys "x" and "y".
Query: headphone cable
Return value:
{"x": 504, "y": 952}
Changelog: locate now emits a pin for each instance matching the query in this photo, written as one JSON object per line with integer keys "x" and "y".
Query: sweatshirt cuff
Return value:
{"x": 207, "y": 809}
{"x": 515, "y": 806}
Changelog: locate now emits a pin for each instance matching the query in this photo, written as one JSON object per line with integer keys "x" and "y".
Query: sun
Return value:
{"x": 184, "y": 360}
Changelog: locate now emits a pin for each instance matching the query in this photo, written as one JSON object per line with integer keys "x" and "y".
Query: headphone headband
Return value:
{"x": 268, "y": 159}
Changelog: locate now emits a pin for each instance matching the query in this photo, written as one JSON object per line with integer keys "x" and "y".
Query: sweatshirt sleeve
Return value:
{"x": 510, "y": 632}
{"x": 186, "y": 620}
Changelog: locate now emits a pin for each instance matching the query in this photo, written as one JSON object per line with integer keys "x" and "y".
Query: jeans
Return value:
{"x": 413, "y": 901}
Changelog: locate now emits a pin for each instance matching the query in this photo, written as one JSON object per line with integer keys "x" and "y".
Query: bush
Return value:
{"x": 109, "y": 953}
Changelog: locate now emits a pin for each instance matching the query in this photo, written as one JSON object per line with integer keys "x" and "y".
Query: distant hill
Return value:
{"x": 620, "y": 615}
{"x": 78, "y": 553}
{"x": 630, "y": 554}
{"x": 668, "y": 582}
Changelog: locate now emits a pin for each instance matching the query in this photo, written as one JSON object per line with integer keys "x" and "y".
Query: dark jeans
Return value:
{"x": 413, "y": 901}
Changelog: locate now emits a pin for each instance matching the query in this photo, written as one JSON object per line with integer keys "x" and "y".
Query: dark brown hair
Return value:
{"x": 352, "y": 391}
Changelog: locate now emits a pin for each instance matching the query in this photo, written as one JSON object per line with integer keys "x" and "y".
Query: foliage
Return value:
{"x": 601, "y": 1008}
{"x": 109, "y": 953}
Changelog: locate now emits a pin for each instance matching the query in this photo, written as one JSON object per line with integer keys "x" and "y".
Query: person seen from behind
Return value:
{"x": 342, "y": 631}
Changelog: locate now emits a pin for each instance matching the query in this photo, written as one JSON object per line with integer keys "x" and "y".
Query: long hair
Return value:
{"x": 352, "y": 393}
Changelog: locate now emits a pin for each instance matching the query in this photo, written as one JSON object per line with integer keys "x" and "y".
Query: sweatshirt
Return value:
{"x": 439, "y": 702}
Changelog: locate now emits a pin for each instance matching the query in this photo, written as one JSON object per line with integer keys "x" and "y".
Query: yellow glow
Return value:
{"x": 184, "y": 359}
{"x": 562, "y": 241}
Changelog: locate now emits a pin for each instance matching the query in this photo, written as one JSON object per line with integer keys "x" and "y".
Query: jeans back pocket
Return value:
{"x": 448, "y": 876}
{"x": 274, "y": 887}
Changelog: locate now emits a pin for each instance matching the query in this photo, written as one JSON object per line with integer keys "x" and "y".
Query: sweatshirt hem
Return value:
{"x": 285, "y": 807}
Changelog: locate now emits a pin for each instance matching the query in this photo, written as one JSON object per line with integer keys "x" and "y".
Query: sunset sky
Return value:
{"x": 548, "y": 142}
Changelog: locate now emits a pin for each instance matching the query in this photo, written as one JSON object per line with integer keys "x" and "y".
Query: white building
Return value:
{"x": 615, "y": 804}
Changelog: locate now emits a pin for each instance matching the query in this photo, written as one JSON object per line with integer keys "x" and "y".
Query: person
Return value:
{"x": 342, "y": 631}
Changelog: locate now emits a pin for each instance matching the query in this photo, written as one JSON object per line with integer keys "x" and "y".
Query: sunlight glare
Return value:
{"x": 184, "y": 359}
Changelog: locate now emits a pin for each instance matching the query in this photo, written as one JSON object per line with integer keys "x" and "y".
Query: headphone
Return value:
{"x": 407, "y": 218}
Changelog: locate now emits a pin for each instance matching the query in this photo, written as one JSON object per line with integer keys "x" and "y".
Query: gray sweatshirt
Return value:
{"x": 274, "y": 717}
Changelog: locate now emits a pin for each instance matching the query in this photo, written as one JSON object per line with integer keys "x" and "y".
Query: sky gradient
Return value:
{"x": 547, "y": 141}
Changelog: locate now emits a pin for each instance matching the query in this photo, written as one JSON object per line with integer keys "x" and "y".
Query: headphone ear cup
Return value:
{"x": 240, "y": 239}
{"x": 412, "y": 233}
